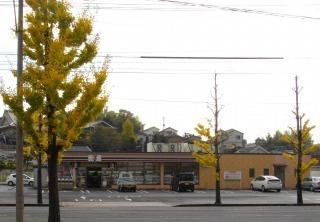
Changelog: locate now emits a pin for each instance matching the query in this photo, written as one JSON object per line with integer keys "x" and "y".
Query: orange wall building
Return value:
{"x": 155, "y": 170}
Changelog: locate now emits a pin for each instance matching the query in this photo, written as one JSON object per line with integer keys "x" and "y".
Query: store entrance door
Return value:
{"x": 94, "y": 177}
{"x": 279, "y": 171}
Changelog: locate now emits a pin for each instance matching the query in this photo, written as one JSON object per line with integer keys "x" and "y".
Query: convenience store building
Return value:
{"x": 155, "y": 170}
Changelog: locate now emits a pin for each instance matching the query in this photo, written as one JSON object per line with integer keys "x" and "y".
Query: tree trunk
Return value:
{"x": 53, "y": 150}
{"x": 299, "y": 150}
{"x": 54, "y": 210}
{"x": 298, "y": 185}
{"x": 39, "y": 181}
{"x": 218, "y": 196}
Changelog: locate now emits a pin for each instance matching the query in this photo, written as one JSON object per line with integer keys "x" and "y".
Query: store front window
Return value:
{"x": 171, "y": 169}
{"x": 143, "y": 173}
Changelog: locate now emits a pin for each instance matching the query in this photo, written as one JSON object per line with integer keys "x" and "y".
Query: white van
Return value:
{"x": 126, "y": 182}
{"x": 124, "y": 174}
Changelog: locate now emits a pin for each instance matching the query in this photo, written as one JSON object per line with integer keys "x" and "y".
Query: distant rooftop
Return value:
{"x": 93, "y": 124}
{"x": 79, "y": 149}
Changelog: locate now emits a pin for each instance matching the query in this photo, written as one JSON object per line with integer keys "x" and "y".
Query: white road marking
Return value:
{"x": 227, "y": 192}
{"x": 83, "y": 197}
{"x": 87, "y": 191}
{"x": 76, "y": 200}
{"x": 109, "y": 191}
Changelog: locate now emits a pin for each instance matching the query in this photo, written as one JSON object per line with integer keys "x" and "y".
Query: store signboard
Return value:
{"x": 94, "y": 158}
{"x": 232, "y": 175}
{"x": 98, "y": 158}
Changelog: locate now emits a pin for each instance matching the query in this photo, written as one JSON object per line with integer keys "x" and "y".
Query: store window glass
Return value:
{"x": 143, "y": 173}
{"x": 65, "y": 171}
{"x": 151, "y": 173}
{"x": 171, "y": 169}
{"x": 136, "y": 168}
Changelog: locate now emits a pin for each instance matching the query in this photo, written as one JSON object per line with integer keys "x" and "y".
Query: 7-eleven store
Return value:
{"x": 155, "y": 170}
{"x": 101, "y": 170}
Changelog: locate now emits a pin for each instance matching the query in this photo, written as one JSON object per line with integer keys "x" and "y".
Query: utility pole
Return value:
{"x": 19, "y": 142}
{"x": 299, "y": 151}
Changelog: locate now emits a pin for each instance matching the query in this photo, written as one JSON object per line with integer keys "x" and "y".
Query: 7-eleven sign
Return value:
{"x": 94, "y": 158}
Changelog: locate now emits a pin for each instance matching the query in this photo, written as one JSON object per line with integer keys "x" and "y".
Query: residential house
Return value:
{"x": 252, "y": 148}
{"x": 232, "y": 141}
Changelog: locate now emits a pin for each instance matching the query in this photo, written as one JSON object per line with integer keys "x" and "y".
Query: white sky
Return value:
{"x": 256, "y": 95}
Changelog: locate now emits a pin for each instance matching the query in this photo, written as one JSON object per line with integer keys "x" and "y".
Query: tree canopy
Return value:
{"x": 275, "y": 141}
{"x": 117, "y": 119}
{"x": 305, "y": 148}
{"x": 56, "y": 46}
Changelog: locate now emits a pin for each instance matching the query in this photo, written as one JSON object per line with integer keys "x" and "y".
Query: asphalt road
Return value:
{"x": 161, "y": 197}
{"x": 172, "y": 214}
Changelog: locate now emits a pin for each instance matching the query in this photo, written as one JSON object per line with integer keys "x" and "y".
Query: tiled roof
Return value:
{"x": 79, "y": 149}
{"x": 93, "y": 124}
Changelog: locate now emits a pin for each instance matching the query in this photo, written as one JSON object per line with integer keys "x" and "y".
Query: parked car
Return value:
{"x": 183, "y": 181}
{"x": 311, "y": 183}
{"x": 11, "y": 180}
{"x": 126, "y": 184}
{"x": 266, "y": 182}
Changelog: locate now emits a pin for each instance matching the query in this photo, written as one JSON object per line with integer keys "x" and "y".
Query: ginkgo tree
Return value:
{"x": 54, "y": 84}
{"x": 299, "y": 138}
{"x": 208, "y": 154}
{"x": 301, "y": 147}
{"x": 35, "y": 148}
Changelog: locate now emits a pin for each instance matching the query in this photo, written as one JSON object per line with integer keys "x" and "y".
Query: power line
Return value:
{"x": 180, "y": 73}
{"x": 184, "y": 57}
{"x": 243, "y": 10}
{"x": 185, "y": 6}
{"x": 208, "y": 57}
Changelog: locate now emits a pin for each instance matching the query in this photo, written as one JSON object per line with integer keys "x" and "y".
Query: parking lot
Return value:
{"x": 161, "y": 197}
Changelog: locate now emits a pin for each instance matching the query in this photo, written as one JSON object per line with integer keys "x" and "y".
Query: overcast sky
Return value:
{"x": 256, "y": 95}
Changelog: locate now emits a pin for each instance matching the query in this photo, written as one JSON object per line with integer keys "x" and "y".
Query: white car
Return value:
{"x": 11, "y": 180}
{"x": 265, "y": 182}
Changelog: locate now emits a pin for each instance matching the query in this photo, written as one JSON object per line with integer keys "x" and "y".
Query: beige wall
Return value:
{"x": 242, "y": 162}
{"x": 233, "y": 162}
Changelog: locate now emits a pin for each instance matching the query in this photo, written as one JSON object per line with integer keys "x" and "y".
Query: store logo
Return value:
{"x": 94, "y": 158}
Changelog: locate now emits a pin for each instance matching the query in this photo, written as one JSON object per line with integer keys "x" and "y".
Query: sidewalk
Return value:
{"x": 114, "y": 204}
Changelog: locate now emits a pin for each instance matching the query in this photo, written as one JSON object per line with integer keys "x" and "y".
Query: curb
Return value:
{"x": 245, "y": 205}
{"x": 26, "y": 205}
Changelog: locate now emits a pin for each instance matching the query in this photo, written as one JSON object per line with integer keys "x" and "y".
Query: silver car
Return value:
{"x": 311, "y": 183}
{"x": 265, "y": 182}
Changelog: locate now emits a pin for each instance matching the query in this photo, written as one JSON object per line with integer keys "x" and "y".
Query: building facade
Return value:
{"x": 156, "y": 170}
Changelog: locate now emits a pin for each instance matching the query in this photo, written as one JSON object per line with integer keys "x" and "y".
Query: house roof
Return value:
{"x": 12, "y": 117}
{"x": 169, "y": 128}
{"x": 79, "y": 149}
{"x": 252, "y": 148}
{"x": 152, "y": 128}
{"x": 9, "y": 117}
{"x": 233, "y": 130}
{"x": 94, "y": 124}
